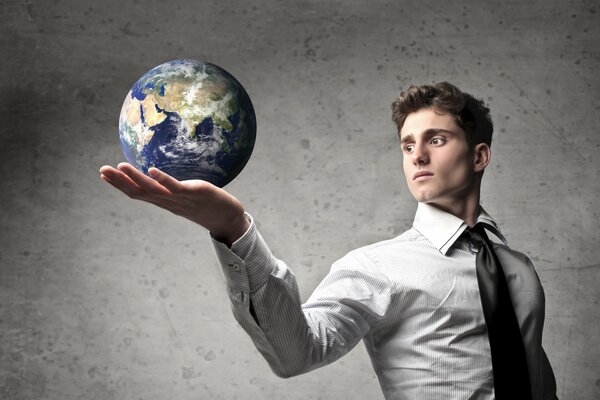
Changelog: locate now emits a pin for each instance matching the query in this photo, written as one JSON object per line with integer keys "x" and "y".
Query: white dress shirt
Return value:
{"x": 413, "y": 300}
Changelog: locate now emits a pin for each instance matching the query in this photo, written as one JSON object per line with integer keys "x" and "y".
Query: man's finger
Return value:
{"x": 107, "y": 169}
{"x": 116, "y": 175}
{"x": 146, "y": 183}
{"x": 124, "y": 184}
{"x": 165, "y": 179}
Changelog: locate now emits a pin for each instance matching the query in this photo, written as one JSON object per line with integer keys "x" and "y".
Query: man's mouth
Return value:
{"x": 421, "y": 175}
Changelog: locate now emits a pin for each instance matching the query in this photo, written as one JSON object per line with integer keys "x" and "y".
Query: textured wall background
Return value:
{"x": 103, "y": 298}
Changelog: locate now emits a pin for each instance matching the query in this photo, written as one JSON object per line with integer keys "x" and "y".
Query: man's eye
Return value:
{"x": 409, "y": 148}
{"x": 437, "y": 141}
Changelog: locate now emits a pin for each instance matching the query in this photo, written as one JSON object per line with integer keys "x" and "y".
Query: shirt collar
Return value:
{"x": 442, "y": 228}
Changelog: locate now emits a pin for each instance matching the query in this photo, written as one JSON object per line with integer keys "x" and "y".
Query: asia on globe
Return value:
{"x": 190, "y": 119}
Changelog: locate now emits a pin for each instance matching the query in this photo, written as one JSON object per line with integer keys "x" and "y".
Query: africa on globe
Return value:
{"x": 190, "y": 119}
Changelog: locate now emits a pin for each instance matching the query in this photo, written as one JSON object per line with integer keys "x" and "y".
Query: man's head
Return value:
{"x": 445, "y": 136}
{"x": 469, "y": 113}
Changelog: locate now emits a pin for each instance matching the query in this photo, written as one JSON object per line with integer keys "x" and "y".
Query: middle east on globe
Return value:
{"x": 190, "y": 119}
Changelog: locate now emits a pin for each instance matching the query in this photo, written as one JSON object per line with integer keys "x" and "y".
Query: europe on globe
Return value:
{"x": 190, "y": 119}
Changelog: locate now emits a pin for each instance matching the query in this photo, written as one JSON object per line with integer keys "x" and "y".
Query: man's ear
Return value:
{"x": 481, "y": 157}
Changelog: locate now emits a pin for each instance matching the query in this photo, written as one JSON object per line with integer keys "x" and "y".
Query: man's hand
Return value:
{"x": 199, "y": 201}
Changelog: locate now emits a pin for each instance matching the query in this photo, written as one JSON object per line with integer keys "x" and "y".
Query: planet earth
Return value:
{"x": 190, "y": 119}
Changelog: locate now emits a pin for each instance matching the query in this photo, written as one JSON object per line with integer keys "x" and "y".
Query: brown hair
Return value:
{"x": 470, "y": 113}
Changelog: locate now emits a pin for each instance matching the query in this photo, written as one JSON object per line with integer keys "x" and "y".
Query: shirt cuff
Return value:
{"x": 248, "y": 263}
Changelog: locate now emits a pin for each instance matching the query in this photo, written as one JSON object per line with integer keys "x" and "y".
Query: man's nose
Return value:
{"x": 420, "y": 155}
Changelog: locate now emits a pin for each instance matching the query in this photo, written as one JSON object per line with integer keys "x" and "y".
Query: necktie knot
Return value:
{"x": 477, "y": 236}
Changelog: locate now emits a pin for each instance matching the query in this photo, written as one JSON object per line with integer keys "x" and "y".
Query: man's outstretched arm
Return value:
{"x": 293, "y": 338}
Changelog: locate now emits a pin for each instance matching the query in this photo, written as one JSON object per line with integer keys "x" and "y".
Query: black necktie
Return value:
{"x": 509, "y": 363}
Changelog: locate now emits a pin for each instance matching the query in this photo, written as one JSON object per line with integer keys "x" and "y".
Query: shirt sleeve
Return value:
{"x": 292, "y": 337}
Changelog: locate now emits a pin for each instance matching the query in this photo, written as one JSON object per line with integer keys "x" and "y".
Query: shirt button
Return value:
{"x": 236, "y": 267}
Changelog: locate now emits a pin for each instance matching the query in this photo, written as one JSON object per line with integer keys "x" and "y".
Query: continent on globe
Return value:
{"x": 190, "y": 119}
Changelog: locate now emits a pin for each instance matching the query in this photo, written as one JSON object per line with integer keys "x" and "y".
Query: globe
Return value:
{"x": 190, "y": 119}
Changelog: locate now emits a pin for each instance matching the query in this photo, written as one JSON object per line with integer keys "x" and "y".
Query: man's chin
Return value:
{"x": 423, "y": 197}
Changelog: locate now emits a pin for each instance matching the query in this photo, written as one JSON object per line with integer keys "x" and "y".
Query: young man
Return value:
{"x": 418, "y": 301}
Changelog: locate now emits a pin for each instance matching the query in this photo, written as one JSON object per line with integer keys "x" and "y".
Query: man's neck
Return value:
{"x": 466, "y": 208}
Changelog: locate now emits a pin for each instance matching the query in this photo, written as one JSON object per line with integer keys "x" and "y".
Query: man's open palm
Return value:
{"x": 199, "y": 201}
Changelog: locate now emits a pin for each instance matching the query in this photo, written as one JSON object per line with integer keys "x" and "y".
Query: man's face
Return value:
{"x": 438, "y": 164}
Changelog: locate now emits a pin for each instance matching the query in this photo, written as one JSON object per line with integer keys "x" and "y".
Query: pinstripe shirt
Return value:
{"x": 413, "y": 300}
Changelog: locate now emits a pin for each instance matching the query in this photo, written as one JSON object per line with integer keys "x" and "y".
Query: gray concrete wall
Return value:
{"x": 102, "y": 297}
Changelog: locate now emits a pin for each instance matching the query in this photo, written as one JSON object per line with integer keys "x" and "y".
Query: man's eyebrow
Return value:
{"x": 435, "y": 131}
{"x": 427, "y": 133}
{"x": 407, "y": 138}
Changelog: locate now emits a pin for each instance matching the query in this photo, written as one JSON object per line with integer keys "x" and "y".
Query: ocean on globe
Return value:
{"x": 190, "y": 119}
